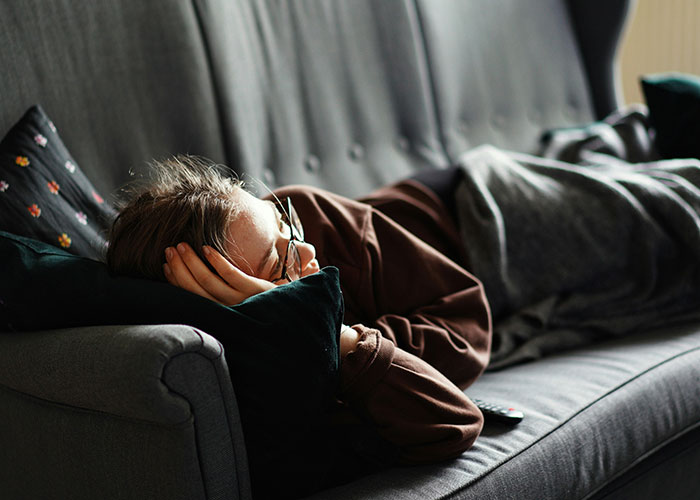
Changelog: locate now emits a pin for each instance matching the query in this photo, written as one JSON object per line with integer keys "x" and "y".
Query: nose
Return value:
{"x": 307, "y": 253}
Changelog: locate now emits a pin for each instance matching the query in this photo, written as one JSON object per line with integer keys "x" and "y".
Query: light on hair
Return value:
{"x": 186, "y": 198}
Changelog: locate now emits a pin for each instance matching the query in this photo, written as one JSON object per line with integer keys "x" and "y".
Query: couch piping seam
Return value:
{"x": 641, "y": 458}
{"x": 226, "y": 415}
{"x": 182, "y": 424}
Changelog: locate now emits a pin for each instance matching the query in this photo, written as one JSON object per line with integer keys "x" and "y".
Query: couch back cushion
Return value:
{"x": 351, "y": 95}
{"x": 505, "y": 73}
{"x": 343, "y": 95}
{"x": 125, "y": 80}
{"x": 333, "y": 94}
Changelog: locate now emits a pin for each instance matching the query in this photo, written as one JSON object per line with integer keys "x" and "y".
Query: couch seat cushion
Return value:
{"x": 590, "y": 415}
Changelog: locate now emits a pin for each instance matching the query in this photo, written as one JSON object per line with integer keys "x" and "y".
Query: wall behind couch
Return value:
{"x": 663, "y": 35}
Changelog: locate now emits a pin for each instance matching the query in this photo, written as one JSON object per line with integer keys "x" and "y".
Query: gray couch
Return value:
{"x": 345, "y": 95}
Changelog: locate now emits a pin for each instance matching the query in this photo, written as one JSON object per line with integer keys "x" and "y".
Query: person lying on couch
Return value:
{"x": 420, "y": 325}
{"x": 566, "y": 254}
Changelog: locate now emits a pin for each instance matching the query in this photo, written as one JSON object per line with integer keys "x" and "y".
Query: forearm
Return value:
{"x": 445, "y": 320}
{"x": 457, "y": 345}
{"x": 408, "y": 402}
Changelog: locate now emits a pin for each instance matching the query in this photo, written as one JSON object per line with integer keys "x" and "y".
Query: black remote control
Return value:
{"x": 495, "y": 413}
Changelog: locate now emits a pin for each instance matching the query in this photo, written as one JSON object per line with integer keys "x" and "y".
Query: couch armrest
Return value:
{"x": 166, "y": 384}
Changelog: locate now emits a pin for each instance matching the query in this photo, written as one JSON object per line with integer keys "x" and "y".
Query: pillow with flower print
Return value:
{"x": 43, "y": 192}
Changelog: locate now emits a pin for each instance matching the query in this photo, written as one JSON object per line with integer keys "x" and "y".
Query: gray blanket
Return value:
{"x": 572, "y": 253}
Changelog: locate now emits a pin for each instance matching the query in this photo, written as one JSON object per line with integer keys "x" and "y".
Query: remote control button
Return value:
{"x": 497, "y": 413}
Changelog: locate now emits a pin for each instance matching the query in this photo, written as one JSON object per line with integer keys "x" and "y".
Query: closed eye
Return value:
{"x": 277, "y": 268}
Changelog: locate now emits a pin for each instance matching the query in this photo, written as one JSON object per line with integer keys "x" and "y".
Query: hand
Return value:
{"x": 348, "y": 340}
{"x": 230, "y": 287}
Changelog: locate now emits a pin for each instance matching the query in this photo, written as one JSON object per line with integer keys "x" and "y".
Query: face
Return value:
{"x": 260, "y": 240}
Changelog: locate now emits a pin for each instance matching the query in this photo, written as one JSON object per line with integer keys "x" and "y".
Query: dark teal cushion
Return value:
{"x": 281, "y": 346}
{"x": 674, "y": 112}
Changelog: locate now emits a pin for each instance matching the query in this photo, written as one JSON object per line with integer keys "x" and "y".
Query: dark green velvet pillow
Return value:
{"x": 674, "y": 112}
{"x": 281, "y": 346}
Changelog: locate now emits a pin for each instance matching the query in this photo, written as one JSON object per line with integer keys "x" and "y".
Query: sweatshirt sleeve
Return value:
{"x": 411, "y": 404}
{"x": 423, "y": 302}
{"x": 424, "y": 322}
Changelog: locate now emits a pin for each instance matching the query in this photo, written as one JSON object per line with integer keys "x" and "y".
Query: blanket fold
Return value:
{"x": 573, "y": 253}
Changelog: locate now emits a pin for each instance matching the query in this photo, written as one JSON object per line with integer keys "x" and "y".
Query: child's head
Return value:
{"x": 189, "y": 199}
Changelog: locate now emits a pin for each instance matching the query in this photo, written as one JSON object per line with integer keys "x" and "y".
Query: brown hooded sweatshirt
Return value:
{"x": 424, "y": 323}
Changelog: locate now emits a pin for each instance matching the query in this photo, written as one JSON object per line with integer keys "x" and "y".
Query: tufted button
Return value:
{"x": 312, "y": 164}
{"x": 572, "y": 108}
{"x": 356, "y": 152}
{"x": 269, "y": 177}
{"x": 402, "y": 143}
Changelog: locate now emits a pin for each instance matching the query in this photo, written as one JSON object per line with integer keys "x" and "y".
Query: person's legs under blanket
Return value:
{"x": 568, "y": 254}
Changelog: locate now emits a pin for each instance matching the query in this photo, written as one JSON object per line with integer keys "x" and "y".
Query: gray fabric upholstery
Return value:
{"x": 479, "y": 64}
{"x": 341, "y": 95}
{"x": 216, "y": 421}
{"x": 119, "y": 399}
{"x": 332, "y": 94}
{"x": 57, "y": 451}
{"x": 667, "y": 470}
{"x": 131, "y": 76}
{"x": 113, "y": 370}
{"x": 345, "y": 96}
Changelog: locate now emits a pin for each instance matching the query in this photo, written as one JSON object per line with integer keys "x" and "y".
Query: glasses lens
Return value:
{"x": 293, "y": 261}
{"x": 295, "y": 232}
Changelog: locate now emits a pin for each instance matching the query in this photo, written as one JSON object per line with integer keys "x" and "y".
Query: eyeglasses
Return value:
{"x": 291, "y": 266}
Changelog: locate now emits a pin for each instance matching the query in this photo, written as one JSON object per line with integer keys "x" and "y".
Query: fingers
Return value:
{"x": 178, "y": 274}
{"x": 169, "y": 275}
{"x": 231, "y": 286}
{"x": 193, "y": 275}
{"x": 237, "y": 279}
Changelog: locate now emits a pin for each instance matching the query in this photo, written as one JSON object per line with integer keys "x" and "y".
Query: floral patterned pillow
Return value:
{"x": 43, "y": 193}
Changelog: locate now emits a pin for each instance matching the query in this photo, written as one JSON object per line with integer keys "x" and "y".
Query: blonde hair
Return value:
{"x": 188, "y": 199}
